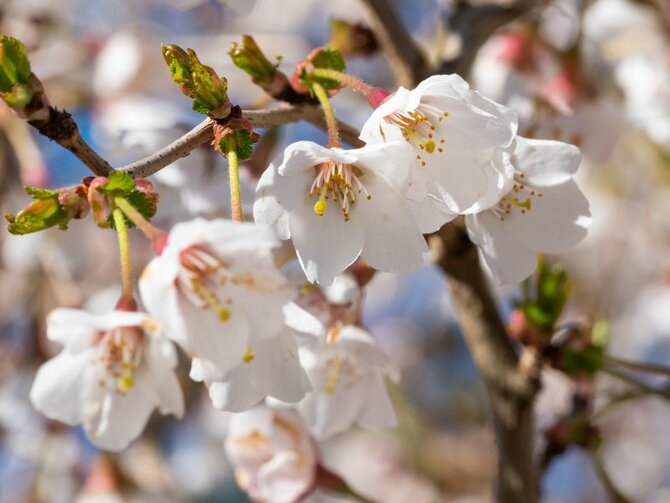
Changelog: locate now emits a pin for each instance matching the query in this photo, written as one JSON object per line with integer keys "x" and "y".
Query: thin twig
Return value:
{"x": 402, "y": 54}
{"x": 203, "y": 133}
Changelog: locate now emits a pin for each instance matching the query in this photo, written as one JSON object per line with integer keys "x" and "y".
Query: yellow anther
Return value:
{"x": 249, "y": 355}
{"x": 224, "y": 314}
{"x": 430, "y": 146}
{"x": 523, "y": 204}
{"x": 126, "y": 382}
{"x": 320, "y": 207}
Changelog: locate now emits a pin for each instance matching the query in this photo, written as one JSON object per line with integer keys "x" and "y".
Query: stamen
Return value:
{"x": 515, "y": 198}
{"x": 249, "y": 355}
{"x": 334, "y": 376}
{"x": 418, "y": 128}
{"x": 339, "y": 182}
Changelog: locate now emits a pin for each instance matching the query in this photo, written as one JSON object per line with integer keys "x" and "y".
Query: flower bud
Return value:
{"x": 249, "y": 57}
{"x": 14, "y": 64}
{"x": 352, "y": 39}
{"x": 198, "y": 81}
{"x": 74, "y": 201}
{"x": 238, "y": 135}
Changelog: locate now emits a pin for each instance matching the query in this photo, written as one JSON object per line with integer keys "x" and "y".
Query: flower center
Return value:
{"x": 338, "y": 368}
{"x": 199, "y": 279}
{"x": 120, "y": 357}
{"x": 419, "y": 129}
{"x": 519, "y": 199}
{"x": 339, "y": 182}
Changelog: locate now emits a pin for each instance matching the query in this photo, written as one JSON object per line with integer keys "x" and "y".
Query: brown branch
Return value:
{"x": 59, "y": 126}
{"x": 403, "y": 55}
{"x": 511, "y": 387}
{"x": 203, "y": 133}
{"x": 475, "y": 24}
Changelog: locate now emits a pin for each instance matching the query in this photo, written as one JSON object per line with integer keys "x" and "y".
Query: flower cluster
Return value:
{"x": 295, "y": 375}
{"x": 431, "y": 154}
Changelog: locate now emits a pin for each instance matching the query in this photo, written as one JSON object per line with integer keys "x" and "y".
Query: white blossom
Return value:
{"x": 455, "y": 134}
{"x": 542, "y": 211}
{"x": 348, "y": 372}
{"x": 113, "y": 371}
{"x": 272, "y": 454}
{"x": 337, "y": 205}
{"x": 217, "y": 290}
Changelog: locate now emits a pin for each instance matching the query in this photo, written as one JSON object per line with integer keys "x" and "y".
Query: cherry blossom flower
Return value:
{"x": 269, "y": 368}
{"x": 337, "y": 205}
{"x": 347, "y": 370}
{"x": 113, "y": 371}
{"x": 217, "y": 291}
{"x": 455, "y": 133}
{"x": 543, "y": 211}
{"x": 272, "y": 454}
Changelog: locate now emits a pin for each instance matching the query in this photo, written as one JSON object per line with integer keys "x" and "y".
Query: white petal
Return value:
{"x": 267, "y": 209}
{"x": 556, "y": 222}
{"x": 378, "y": 412}
{"x": 59, "y": 389}
{"x": 329, "y": 414}
{"x": 393, "y": 241}
{"x": 161, "y": 360}
{"x": 326, "y": 245}
{"x": 508, "y": 259}
{"x": 303, "y": 321}
{"x": 545, "y": 162}
{"x": 236, "y": 393}
{"x": 431, "y": 214}
{"x": 73, "y": 328}
{"x": 276, "y": 370}
{"x": 376, "y": 129}
{"x": 121, "y": 418}
{"x": 304, "y": 155}
{"x": 391, "y": 162}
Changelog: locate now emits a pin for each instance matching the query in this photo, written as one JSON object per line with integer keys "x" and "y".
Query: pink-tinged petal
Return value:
{"x": 326, "y": 245}
{"x": 556, "y": 222}
{"x": 393, "y": 242}
{"x": 378, "y": 412}
{"x": 376, "y": 129}
{"x": 329, "y": 414}
{"x": 267, "y": 208}
{"x": 60, "y": 387}
{"x": 507, "y": 258}
{"x": 121, "y": 418}
{"x": 545, "y": 162}
{"x": 276, "y": 370}
{"x": 286, "y": 477}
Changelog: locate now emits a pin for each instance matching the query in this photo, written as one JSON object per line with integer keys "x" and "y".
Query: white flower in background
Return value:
{"x": 337, "y": 205}
{"x": 543, "y": 210}
{"x": 213, "y": 286}
{"x": 455, "y": 133}
{"x": 347, "y": 370}
{"x": 113, "y": 371}
{"x": 270, "y": 367}
{"x": 272, "y": 453}
{"x": 240, "y": 7}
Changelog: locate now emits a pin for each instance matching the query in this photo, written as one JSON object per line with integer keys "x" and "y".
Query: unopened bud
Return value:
{"x": 14, "y": 64}
{"x": 248, "y": 57}
{"x": 198, "y": 81}
{"x": 352, "y": 39}
{"x": 74, "y": 201}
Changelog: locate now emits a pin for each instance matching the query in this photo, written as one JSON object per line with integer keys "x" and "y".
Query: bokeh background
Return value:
{"x": 595, "y": 73}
